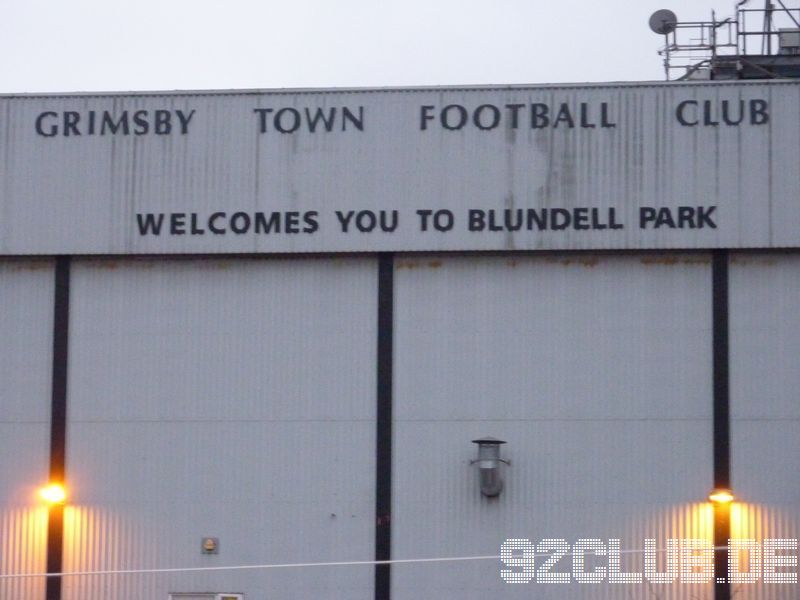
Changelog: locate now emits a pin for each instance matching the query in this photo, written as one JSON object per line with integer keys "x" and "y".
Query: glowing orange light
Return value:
{"x": 53, "y": 493}
{"x": 721, "y": 496}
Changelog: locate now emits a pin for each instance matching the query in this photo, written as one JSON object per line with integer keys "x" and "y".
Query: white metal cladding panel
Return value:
{"x": 597, "y": 372}
{"x": 765, "y": 413}
{"x": 26, "y": 334}
{"x": 554, "y": 337}
{"x": 223, "y": 163}
{"x": 760, "y": 521}
{"x": 26, "y": 341}
{"x": 765, "y": 336}
{"x": 23, "y": 544}
{"x": 233, "y": 399}
{"x": 282, "y": 339}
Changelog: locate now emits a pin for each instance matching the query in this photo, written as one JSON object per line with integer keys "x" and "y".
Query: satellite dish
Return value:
{"x": 663, "y": 21}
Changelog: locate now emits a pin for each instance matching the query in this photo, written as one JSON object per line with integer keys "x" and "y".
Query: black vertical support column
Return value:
{"x": 383, "y": 487}
{"x": 58, "y": 423}
{"x": 722, "y": 445}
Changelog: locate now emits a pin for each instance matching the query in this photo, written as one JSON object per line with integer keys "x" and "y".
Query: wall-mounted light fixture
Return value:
{"x": 721, "y": 496}
{"x": 490, "y": 475}
{"x": 53, "y": 493}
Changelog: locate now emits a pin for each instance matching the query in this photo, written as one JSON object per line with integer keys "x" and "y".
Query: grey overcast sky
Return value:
{"x": 125, "y": 45}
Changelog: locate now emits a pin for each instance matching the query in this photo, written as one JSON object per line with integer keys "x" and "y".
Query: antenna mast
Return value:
{"x": 718, "y": 49}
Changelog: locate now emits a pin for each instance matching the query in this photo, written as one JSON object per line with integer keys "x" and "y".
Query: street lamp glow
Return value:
{"x": 53, "y": 493}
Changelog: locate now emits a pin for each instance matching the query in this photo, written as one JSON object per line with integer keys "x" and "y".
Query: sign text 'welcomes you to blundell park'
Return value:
{"x": 624, "y": 166}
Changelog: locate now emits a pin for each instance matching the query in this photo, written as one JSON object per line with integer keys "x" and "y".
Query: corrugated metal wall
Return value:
{"x": 400, "y": 160}
{"x": 232, "y": 399}
{"x": 26, "y": 329}
{"x": 765, "y": 411}
{"x": 597, "y": 372}
{"x": 235, "y": 398}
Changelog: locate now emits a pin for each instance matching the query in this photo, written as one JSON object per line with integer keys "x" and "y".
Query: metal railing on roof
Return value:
{"x": 692, "y": 49}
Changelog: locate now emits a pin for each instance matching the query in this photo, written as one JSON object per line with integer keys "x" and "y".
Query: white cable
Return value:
{"x": 292, "y": 565}
{"x": 242, "y": 567}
